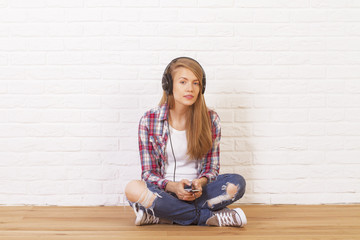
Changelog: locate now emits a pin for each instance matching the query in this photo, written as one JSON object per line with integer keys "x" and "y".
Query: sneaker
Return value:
{"x": 228, "y": 217}
{"x": 143, "y": 218}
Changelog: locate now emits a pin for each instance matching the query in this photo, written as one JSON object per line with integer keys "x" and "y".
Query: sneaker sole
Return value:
{"x": 139, "y": 216}
{"x": 242, "y": 216}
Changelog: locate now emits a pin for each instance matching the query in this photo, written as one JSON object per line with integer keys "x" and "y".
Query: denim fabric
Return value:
{"x": 166, "y": 205}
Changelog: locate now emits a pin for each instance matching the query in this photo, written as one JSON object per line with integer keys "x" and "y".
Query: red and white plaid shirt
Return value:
{"x": 153, "y": 136}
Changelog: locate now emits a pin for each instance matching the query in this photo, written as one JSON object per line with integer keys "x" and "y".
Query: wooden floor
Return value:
{"x": 102, "y": 223}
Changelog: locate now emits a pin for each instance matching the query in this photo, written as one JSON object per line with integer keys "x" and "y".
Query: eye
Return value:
{"x": 196, "y": 83}
{"x": 182, "y": 82}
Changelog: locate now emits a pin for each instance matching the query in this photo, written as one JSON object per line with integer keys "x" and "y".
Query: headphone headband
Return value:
{"x": 167, "y": 81}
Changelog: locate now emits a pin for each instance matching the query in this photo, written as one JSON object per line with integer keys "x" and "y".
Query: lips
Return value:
{"x": 189, "y": 96}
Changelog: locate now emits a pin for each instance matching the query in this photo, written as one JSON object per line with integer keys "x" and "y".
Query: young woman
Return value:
{"x": 179, "y": 151}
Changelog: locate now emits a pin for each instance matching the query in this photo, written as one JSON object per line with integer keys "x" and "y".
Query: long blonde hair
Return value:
{"x": 198, "y": 124}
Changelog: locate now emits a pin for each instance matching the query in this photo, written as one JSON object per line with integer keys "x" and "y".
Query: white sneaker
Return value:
{"x": 228, "y": 217}
{"x": 142, "y": 218}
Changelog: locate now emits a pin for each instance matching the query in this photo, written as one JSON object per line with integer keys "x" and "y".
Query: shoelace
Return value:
{"x": 226, "y": 219}
{"x": 150, "y": 219}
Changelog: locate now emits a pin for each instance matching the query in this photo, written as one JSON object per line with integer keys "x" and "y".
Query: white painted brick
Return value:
{"x": 289, "y": 115}
{"x": 343, "y": 71}
{"x": 269, "y": 16}
{"x": 197, "y": 15}
{"x": 27, "y": 59}
{"x": 42, "y": 44}
{"x": 43, "y": 159}
{"x": 60, "y": 115}
{"x": 216, "y": 3}
{"x": 328, "y": 4}
{"x": 102, "y": 87}
{"x": 122, "y": 130}
{"x": 232, "y": 44}
{"x": 120, "y": 102}
{"x": 99, "y": 144}
{"x": 76, "y": 76}
{"x": 81, "y": 72}
{"x": 84, "y": 187}
{"x": 352, "y": 115}
{"x": 286, "y": 157}
{"x": 130, "y": 116}
{"x": 83, "y": 14}
{"x": 65, "y": 30}
{"x": 272, "y": 4}
{"x": 140, "y": 3}
{"x": 42, "y": 73}
{"x": 3, "y": 3}
{"x": 44, "y": 130}
{"x": 236, "y": 130}
{"x": 64, "y": 58}
{"x": 116, "y": 44}
{"x": 27, "y": 4}
{"x": 129, "y": 144}
{"x": 179, "y": 4}
{"x": 309, "y": 15}
{"x": 194, "y": 44}
{"x": 46, "y": 15}
{"x": 158, "y": 44}
{"x": 99, "y": 116}
{"x": 82, "y": 159}
{"x": 25, "y": 87}
{"x": 91, "y": 44}
{"x": 13, "y": 44}
{"x": 326, "y": 142}
{"x": 3, "y": 59}
{"x": 159, "y": 15}
{"x": 326, "y": 115}
{"x": 121, "y": 15}
{"x": 215, "y": 30}
{"x": 236, "y": 158}
{"x": 352, "y": 143}
{"x": 29, "y": 30}
{"x": 64, "y": 3}
{"x": 102, "y": 3}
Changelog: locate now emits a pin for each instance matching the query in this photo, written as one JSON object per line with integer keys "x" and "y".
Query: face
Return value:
{"x": 186, "y": 87}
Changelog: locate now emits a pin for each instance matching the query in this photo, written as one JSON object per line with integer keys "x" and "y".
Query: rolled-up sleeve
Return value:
{"x": 210, "y": 164}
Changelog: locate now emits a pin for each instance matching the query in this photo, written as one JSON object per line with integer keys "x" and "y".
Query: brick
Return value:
{"x": 83, "y": 14}
{"x": 177, "y": 4}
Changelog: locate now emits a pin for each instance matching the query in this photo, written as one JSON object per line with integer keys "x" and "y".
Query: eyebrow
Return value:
{"x": 188, "y": 79}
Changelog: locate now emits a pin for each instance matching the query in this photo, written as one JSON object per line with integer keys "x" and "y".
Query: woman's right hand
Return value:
{"x": 179, "y": 189}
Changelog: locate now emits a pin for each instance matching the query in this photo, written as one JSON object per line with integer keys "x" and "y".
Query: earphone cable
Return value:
{"x": 172, "y": 150}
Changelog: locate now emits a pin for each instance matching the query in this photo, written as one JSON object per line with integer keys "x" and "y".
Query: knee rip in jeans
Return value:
{"x": 147, "y": 199}
{"x": 231, "y": 190}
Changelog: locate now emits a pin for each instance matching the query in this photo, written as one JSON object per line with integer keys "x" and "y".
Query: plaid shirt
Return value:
{"x": 153, "y": 136}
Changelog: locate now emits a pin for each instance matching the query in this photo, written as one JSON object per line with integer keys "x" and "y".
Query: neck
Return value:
{"x": 178, "y": 117}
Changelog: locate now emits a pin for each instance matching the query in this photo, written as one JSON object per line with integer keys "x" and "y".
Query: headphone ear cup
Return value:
{"x": 167, "y": 83}
{"x": 203, "y": 82}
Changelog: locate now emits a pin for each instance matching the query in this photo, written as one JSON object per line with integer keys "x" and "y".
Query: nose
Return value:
{"x": 190, "y": 87}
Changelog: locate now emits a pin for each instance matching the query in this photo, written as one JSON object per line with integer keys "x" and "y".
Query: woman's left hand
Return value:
{"x": 196, "y": 185}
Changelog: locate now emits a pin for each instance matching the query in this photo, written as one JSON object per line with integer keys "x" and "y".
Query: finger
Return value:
{"x": 186, "y": 181}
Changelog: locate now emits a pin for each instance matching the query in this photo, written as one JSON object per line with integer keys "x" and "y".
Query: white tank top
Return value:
{"x": 185, "y": 168}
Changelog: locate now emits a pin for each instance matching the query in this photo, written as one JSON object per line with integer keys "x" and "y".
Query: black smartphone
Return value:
{"x": 192, "y": 190}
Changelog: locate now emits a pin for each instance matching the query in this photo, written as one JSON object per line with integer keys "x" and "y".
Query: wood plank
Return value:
{"x": 264, "y": 222}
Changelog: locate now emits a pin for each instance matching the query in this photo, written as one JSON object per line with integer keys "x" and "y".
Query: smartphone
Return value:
{"x": 192, "y": 190}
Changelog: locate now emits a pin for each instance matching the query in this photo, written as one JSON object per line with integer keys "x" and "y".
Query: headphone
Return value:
{"x": 167, "y": 81}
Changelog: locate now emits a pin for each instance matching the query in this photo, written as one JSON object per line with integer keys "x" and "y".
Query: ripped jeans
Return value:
{"x": 214, "y": 197}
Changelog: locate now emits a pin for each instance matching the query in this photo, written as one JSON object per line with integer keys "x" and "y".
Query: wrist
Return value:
{"x": 203, "y": 181}
{"x": 170, "y": 186}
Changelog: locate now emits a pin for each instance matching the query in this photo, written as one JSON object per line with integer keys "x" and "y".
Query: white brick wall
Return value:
{"x": 76, "y": 75}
